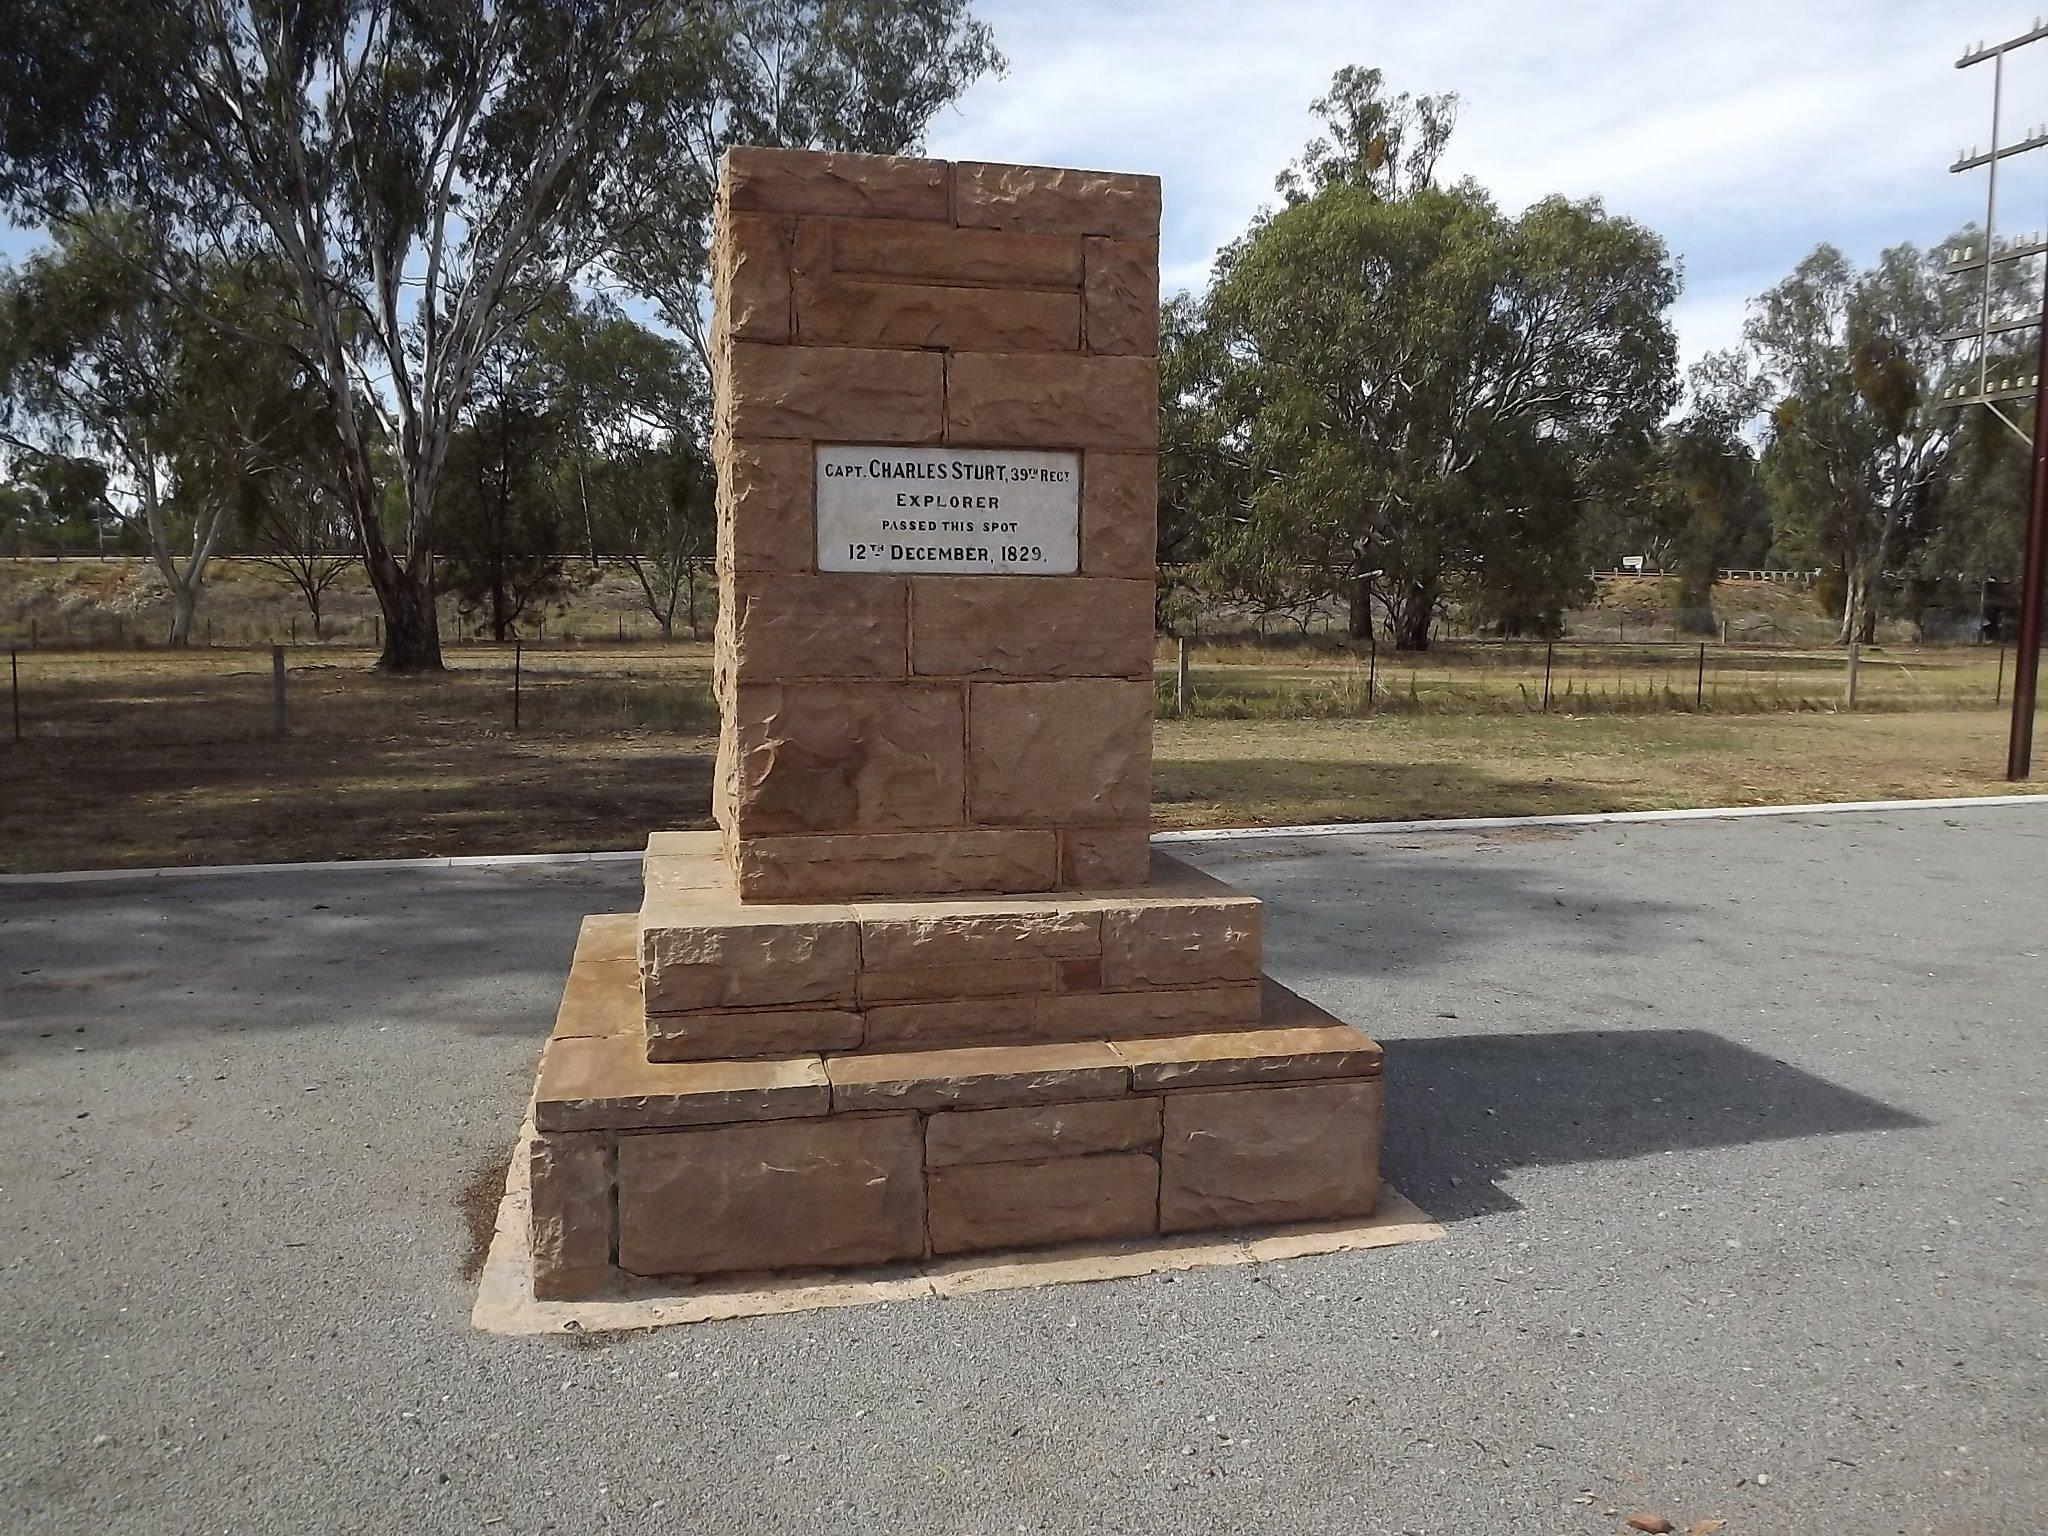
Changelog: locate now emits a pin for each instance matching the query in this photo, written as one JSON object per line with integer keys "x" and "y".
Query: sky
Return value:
{"x": 1744, "y": 133}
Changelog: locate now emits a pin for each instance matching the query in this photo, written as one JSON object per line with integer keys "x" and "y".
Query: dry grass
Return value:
{"x": 156, "y": 758}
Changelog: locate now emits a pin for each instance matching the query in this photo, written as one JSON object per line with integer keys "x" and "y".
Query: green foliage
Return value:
{"x": 1392, "y": 386}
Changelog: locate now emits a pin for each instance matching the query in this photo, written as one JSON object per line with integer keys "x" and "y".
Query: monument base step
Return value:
{"x": 680, "y": 1170}
{"x": 721, "y": 978}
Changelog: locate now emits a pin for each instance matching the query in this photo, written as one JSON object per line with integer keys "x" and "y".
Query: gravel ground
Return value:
{"x": 1737, "y": 1126}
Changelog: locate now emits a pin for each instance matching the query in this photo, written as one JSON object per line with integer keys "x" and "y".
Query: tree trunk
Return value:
{"x": 184, "y": 602}
{"x": 1414, "y": 610}
{"x": 412, "y": 632}
{"x": 1866, "y": 631}
{"x": 1852, "y": 605}
{"x": 1359, "y": 625}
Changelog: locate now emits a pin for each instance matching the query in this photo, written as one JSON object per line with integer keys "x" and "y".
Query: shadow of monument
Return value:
{"x": 1465, "y": 1109}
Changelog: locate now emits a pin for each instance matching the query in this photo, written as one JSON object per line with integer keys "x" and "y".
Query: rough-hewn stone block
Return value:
{"x": 762, "y": 180}
{"x": 750, "y": 281}
{"x": 570, "y": 1225}
{"x": 987, "y": 978}
{"x": 1120, "y": 297}
{"x": 1104, "y": 858}
{"x": 857, "y": 394}
{"x": 1048, "y": 400}
{"x": 849, "y": 757}
{"x": 1178, "y": 944}
{"x": 610, "y": 1084}
{"x": 1040, "y": 1132}
{"x": 982, "y": 1206}
{"x": 1030, "y": 626}
{"x": 1153, "y": 1011}
{"x": 1235, "y": 1157}
{"x": 712, "y": 1034}
{"x": 848, "y": 866}
{"x": 765, "y": 518}
{"x": 951, "y": 1023}
{"x": 896, "y": 935}
{"x": 1250, "y": 1056}
{"x": 979, "y": 258}
{"x": 1019, "y": 1074}
{"x": 1059, "y": 201}
{"x": 846, "y": 312}
{"x": 1074, "y": 752}
{"x": 1120, "y": 514}
{"x": 694, "y": 955}
{"x": 790, "y": 627}
{"x": 794, "y": 1194}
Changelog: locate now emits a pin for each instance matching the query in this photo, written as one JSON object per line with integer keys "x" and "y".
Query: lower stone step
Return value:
{"x": 681, "y": 1170}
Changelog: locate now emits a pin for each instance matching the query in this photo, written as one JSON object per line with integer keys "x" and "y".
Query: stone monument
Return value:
{"x": 928, "y": 990}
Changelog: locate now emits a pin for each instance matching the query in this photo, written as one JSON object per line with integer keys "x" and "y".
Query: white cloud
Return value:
{"x": 1744, "y": 133}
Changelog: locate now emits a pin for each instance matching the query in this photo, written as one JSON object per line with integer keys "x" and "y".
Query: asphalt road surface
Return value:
{"x": 1739, "y": 1129}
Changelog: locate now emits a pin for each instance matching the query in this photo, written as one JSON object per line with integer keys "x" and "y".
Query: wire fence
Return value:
{"x": 331, "y": 694}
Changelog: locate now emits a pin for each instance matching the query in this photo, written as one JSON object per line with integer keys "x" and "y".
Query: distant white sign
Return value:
{"x": 949, "y": 511}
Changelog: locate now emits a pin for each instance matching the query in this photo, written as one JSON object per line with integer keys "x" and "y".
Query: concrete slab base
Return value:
{"x": 506, "y": 1304}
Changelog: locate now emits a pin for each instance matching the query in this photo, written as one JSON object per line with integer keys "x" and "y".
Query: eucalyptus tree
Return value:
{"x": 423, "y": 176}
{"x": 104, "y": 384}
{"x": 1857, "y": 448}
{"x": 1407, "y": 388}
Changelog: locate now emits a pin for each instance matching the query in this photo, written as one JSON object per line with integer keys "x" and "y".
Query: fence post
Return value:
{"x": 1699, "y": 686}
{"x": 14, "y": 686}
{"x": 515, "y": 685}
{"x": 1724, "y": 631}
{"x": 33, "y": 641}
{"x": 1372, "y": 672}
{"x": 277, "y": 717}
{"x": 1549, "y": 652}
{"x": 1855, "y": 660}
{"x": 1183, "y": 681}
{"x": 1998, "y": 688}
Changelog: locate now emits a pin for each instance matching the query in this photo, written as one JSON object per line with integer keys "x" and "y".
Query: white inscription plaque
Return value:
{"x": 949, "y": 511}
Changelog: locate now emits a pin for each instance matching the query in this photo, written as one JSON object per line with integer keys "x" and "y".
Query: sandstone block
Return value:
{"x": 846, "y": 312}
{"x": 609, "y": 1084}
{"x": 846, "y": 757}
{"x": 1081, "y": 975}
{"x": 790, "y": 627}
{"x": 998, "y": 1075}
{"x": 989, "y": 978}
{"x": 750, "y": 280}
{"x": 1152, "y": 1011}
{"x": 703, "y": 849}
{"x": 764, "y": 506}
{"x": 1252, "y": 1156}
{"x": 602, "y": 995}
{"x": 950, "y": 1023}
{"x": 1040, "y": 1132}
{"x": 712, "y": 1034}
{"x": 981, "y": 1206}
{"x": 1055, "y": 201}
{"x": 848, "y": 866}
{"x": 1098, "y": 858}
{"x": 762, "y": 180}
{"x": 1074, "y": 752}
{"x": 571, "y": 1221}
{"x": 896, "y": 935}
{"x": 794, "y": 1194}
{"x": 1047, "y": 400}
{"x": 1177, "y": 944}
{"x": 1250, "y": 1056}
{"x": 1120, "y": 296}
{"x": 858, "y": 394}
{"x": 1120, "y": 514}
{"x": 694, "y": 955}
{"x": 977, "y": 258}
{"x": 1030, "y": 626}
